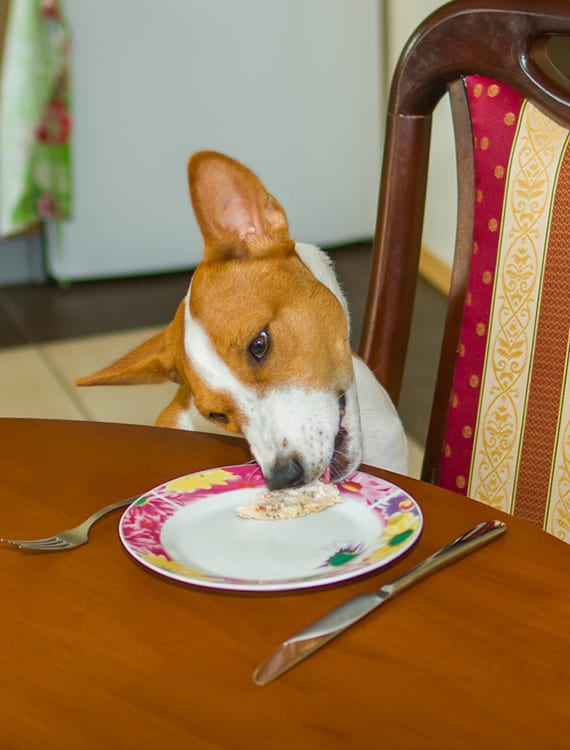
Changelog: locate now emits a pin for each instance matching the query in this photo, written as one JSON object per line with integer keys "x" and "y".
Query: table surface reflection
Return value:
{"x": 99, "y": 651}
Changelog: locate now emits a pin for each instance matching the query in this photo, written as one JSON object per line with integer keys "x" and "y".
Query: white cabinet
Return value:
{"x": 293, "y": 89}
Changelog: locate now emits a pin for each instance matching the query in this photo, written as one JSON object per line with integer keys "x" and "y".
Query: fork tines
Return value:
{"x": 48, "y": 543}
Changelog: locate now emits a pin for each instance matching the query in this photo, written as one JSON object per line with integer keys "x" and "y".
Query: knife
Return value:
{"x": 313, "y": 637}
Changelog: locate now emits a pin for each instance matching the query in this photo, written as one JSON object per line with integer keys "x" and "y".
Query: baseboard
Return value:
{"x": 435, "y": 271}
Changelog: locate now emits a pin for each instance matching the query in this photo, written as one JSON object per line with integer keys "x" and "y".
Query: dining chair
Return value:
{"x": 499, "y": 428}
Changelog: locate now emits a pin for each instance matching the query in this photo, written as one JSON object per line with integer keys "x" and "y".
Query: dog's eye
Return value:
{"x": 259, "y": 346}
{"x": 217, "y": 417}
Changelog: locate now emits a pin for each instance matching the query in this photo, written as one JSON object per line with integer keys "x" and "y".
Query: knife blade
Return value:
{"x": 315, "y": 636}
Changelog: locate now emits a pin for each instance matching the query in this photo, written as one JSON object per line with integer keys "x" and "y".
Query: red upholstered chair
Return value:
{"x": 500, "y": 421}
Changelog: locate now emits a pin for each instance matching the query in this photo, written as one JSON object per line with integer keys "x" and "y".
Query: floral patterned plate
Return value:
{"x": 188, "y": 530}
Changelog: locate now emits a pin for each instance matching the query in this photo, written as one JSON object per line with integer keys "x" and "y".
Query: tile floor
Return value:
{"x": 49, "y": 336}
{"x": 38, "y": 380}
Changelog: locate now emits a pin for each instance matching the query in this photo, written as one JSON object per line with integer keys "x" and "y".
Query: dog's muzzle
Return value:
{"x": 289, "y": 471}
{"x": 340, "y": 463}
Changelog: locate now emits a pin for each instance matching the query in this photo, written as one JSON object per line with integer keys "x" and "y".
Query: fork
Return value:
{"x": 69, "y": 538}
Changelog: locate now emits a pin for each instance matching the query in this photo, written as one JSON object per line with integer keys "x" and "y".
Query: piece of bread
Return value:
{"x": 295, "y": 502}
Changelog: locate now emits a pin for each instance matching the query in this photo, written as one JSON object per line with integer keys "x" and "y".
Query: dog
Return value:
{"x": 260, "y": 344}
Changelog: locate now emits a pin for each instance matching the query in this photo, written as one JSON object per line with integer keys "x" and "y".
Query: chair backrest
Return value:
{"x": 500, "y": 421}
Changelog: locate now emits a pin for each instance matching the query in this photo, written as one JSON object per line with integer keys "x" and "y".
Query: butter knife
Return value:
{"x": 313, "y": 637}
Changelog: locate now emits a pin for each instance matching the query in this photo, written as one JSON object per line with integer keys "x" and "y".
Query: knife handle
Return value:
{"x": 476, "y": 537}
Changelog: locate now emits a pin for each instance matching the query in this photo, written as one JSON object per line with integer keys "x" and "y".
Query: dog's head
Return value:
{"x": 260, "y": 344}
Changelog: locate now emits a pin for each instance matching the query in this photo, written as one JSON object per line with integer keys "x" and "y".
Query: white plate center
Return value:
{"x": 208, "y": 535}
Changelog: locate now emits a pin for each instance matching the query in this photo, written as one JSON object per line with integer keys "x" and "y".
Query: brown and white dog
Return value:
{"x": 260, "y": 344}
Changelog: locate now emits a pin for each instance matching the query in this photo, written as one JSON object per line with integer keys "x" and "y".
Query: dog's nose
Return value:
{"x": 285, "y": 473}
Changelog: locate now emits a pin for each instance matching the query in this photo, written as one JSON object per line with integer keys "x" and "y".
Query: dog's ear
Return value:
{"x": 236, "y": 214}
{"x": 151, "y": 362}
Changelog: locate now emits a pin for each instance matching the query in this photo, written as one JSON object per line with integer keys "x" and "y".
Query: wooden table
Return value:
{"x": 98, "y": 651}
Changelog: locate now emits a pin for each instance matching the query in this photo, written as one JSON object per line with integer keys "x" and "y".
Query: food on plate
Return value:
{"x": 294, "y": 502}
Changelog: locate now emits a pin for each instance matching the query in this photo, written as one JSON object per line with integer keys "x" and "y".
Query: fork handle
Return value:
{"x": 113, "y": 506}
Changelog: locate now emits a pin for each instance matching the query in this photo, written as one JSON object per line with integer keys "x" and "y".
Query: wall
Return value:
{"x": 439, "y": 224}
{"x": 292, "y": 89}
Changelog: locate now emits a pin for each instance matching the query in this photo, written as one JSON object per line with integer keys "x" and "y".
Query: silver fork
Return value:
{"x": 70, "y": 538}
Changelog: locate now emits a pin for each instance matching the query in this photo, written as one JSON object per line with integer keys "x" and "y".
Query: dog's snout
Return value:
{"x": 284, "y": 473}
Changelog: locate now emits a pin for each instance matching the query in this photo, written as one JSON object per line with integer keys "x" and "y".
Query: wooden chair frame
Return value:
{"x": 502, "y": 39}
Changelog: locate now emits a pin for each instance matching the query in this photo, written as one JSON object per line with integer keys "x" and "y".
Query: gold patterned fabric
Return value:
{"x": 558, "y": 510}
{"x": 515, "y": 424}
{"x": 547, "y": 389}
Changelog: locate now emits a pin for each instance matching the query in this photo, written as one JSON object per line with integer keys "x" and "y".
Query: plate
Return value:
{"x": 188, "y": 530}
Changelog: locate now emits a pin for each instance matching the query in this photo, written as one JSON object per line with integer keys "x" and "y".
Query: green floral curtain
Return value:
{"x": 35, "y": 121}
